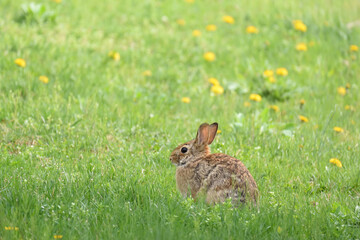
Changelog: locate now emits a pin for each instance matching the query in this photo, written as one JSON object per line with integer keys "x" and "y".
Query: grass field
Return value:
{"x": 84, "y": 152}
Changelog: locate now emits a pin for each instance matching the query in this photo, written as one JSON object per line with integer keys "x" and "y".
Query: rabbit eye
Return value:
{"x": 184, "y": 149}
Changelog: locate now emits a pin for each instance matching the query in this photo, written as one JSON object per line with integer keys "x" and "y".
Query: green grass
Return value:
{"x": 86, "y": 156}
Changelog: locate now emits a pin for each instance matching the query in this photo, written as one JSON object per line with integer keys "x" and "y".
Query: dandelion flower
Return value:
{"x": 282, "y": 71}
{"x": 252, "y": 29}
{"x": 181, "y": 22}
{"x": 255, "y": 97}
{"x": 336, "y": 162}
{"x": 57, "y": 1}
{"x": 209, "y": 56}
{"x": 196, "y": 33}
{"x": 20, "y": 62}
{"x": 275, "y": 108}
{"x": 58, "y": 236}
{"x": 272, "y": 79}
{"x": 302, "y": 102}
{"x": 349, "y": 107}
{"x": 147, "y": 73}
{"x": 347, "y": 86}
{"x": 44, "y": 79}
{"x": 299, "y": 26}
{"x": 213, "y": 81}
{"x": 303, "y": 119}
{"x": 218, "y": 131}
{"x": 189, "y": 1}
{"x": 338, "y": 129}
{"x": 217, "y": 89}
{"x": 354, "y": 48}
{"x": 211, "y": 28}
{"x": 114, "y": 55}
{"x": 247, "y": 104}
{"x": 301, "y": 47}
{"x": 341, "y": 91}
{"x": 228, "y": 19}
{"x": 268, "y": 73}
{"x": 186, "y": 100}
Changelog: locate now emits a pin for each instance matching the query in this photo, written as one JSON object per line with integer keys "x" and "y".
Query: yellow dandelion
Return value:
{"x": 268, "y": 73}
{"x": 272, "y": 80}
{"x": 255, "y": 97}
{"x": 44, "y": 79}
{"x": 20, "y": 62}
{"x": 347, "y": 86}
{"x": 275, "y": 108}
{"x": 354, "y": 48}
{"x": 57, "y": 1}
{"x": 282, "y": 71}
{"x": 349, "y": 107}
{"x": 338, "y": 129}
{"x": 211, "y": 28}
{"x": 302, "y": 102}
{"x": 247, "y": 104}
{"x": 218, "y": 131}
{"x": 217, "y": 89}
{"x": 213, "y": 81}
{"x": 186, "y": 100}
{"x": 341, "y": 91}
{"x": 299, "y": 25}
{"x": 209, "y": 56}
{"x": 189, "y": 1}
{"x": 114, "y": 55}
{"x": 147, "y": 73}
{"x": 196, "y": 33}
{"x": 252, "y": 29}
{"x": 301, "y": 47}
{"x": 228, "y": 19}
{"x": 336, "y": 162}
{"x": 181, "y": 22}
{"x": 303, "y": 119}
{"x": 58, "y": 236}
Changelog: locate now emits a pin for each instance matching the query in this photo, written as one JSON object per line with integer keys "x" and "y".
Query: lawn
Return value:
{"x": 84, "y": 149}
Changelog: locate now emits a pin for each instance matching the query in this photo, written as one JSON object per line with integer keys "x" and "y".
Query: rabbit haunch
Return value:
{"x": 217, "y": 176}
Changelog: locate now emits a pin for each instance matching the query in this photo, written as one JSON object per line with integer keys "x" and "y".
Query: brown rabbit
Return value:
{"x": 218, "y": 176}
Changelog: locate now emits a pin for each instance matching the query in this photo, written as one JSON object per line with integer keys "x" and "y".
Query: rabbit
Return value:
{"x": 217, "y": 176}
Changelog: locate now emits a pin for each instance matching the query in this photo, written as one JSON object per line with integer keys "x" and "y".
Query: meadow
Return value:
{"x": 94, "y": 96}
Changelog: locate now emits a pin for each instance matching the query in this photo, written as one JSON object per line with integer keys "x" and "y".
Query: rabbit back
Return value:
{"x": 217, "y": 176}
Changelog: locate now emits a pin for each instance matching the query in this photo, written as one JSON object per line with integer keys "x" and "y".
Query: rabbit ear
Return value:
{"x": 212, "y": 132}
{"x": 202, "y": 134}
